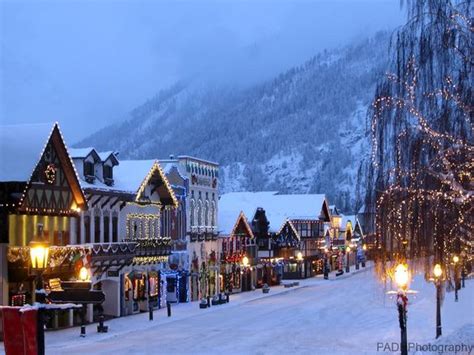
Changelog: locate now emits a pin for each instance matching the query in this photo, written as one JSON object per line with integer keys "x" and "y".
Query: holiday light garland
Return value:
{"x": 422, "y": 141}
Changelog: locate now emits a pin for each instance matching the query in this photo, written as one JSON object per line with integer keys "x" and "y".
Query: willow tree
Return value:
{"x": 421, "y": 184}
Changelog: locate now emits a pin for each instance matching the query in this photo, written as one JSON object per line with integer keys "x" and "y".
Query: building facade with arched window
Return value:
{"x": 200, "y": 179}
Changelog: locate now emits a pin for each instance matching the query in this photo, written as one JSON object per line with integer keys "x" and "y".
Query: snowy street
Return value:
{"x": 319, "y": 316}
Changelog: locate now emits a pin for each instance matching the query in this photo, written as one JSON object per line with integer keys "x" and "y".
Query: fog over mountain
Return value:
{"x": 87, "y": 63}
{"x": 303, "y": 131}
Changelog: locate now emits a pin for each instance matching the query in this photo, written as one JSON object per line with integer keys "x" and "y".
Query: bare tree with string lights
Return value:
{"x": 421, "y": 184}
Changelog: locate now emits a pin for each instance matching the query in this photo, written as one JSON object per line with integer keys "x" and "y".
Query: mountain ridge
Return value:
{"x": 303, "y": 131}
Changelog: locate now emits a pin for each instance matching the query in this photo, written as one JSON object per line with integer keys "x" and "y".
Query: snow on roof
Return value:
{"x": 345, "y": 219}
{"x": 105, "y": 155}
{"x": 80, "y": 152}
{"x": 188, "y": 157}
{"x": 278, "y": 208}
{"x": 168, "y": 165}
{"x": 128, "y": 176}
{"x": 21, "y": 147}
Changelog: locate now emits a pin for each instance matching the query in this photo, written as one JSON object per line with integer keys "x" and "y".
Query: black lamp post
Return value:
{"x": 456, "y": 278}
{"x": 438, "y": 272}
{"x": 326, "y": 267}
{"x": 364, "y": 249}
{"x": 402, "y": 278}
{"x": 348, "y": 252}
{"x": 39, "y": 253}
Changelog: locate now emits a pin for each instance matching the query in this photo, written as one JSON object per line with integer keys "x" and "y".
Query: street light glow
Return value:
{"x": 437, "y": 271}
{"x": 401, "y": 275}
{"x": 39, "y": 252}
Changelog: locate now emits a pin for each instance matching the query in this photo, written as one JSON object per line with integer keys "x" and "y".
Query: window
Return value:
{"x": 192, "y": 213}
{"x": 107, "y": 172}
{"x": 88, "y": 169}
{"x": 78, "y": 231}
{"x": 206, "y": 214}
{"x": 213, "y": 213}
{"x": 106, "y": 228}
{"x": 199, "y": 213}
{"x": 96, "y": 228}
{"x": 87, "y": 229}
{"x": 114, "y": 227}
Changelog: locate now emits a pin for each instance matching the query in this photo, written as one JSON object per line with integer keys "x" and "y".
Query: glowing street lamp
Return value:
{"x": 299, "y": 256}
{"x": 84, "y": 274}
{"x": 455, "y": 261}
{"x": 39, "y": 252}
{"x": 245, "y": 261}
{"x": 438, "y": 272}
{"x": 402, "y": 279}
{"x": 401, "y": 276}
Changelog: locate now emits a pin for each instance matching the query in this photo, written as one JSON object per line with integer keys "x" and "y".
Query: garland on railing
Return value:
{"x": 58, "y": 255}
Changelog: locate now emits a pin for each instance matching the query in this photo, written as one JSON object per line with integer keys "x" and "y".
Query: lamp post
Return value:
{"x": 463, "y": 268}
{"x": 356, "y": 257}
{"x": 402, "y": 279}
{"x": 348, "y": 251}
{"x": 364, "y": 248}
{"x": 326, "y": 267}
{"x": 245, "y": 264}
{"x": 39, "y": 253}
{"x": 456, "y": 281}
{"x": 438, "y": 272}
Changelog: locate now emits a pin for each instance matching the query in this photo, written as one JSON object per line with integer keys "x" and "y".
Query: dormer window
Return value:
{"x": 108, "y": 175}
{"x": 89, "y": 172}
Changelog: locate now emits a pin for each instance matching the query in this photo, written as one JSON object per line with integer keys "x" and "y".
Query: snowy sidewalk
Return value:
{"x": 118, "y": 327}
{"x": 56, "y": 339}
{"x": 304, "y": 319}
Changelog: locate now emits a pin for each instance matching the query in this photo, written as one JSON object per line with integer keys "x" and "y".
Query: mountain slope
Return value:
{"x": 304, "y": 131}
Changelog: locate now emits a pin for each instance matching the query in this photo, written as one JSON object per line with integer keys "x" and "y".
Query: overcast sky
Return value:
{"x": 87, "y": 63}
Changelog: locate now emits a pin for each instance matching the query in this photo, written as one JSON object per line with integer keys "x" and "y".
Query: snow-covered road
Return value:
{"x": 341, "y": 316}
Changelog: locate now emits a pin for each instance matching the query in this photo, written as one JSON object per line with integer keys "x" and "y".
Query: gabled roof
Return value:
{"x": 131, "y": 176}
{"x": 82, "y": 153}
{"x": 104, "y": 156}
{"x": 292, "y": 226}
{"x": 21, "y": 147}
{"x": 278, "y": 207}
{"x": 354, "y": 223}
{"x": 345, "y": 219}
{"x": 242, "y": 219}
{"x": 168, "y": 165}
